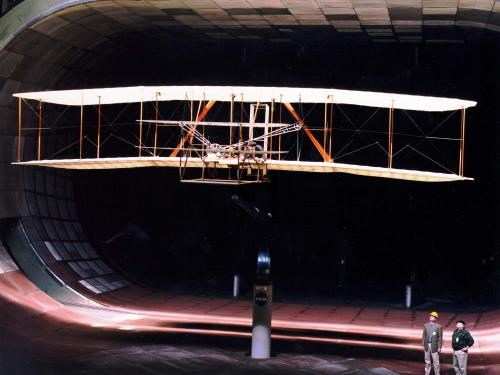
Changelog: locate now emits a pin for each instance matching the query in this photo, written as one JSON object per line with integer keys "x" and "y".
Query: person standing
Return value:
{"x": 461, "y": 341}
{"x": 432, "y": 340}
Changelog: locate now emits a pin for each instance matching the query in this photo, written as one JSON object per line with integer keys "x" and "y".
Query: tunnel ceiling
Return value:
{"x": 277, "y": 20}
{"x": 281, "y": 21}
{"x": 70, "y": 46}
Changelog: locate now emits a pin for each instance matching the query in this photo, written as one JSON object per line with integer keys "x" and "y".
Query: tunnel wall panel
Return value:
{"x": 35, "y": 269}
{"x": 6, "y": 262}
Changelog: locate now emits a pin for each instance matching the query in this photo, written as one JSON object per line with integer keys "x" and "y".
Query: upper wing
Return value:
{"x": 138, "y": 94}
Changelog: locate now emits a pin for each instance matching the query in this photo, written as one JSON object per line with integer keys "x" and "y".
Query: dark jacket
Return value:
{"x": 436, "y": 340}
{"x": 460, "y": 339}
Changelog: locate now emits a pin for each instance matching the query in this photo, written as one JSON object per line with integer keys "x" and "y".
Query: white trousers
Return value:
{"x": 435, "y": 361}
{"x": 460, "y": 362}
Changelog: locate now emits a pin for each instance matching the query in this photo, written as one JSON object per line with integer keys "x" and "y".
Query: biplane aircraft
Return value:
{"x": 245, "y": 146}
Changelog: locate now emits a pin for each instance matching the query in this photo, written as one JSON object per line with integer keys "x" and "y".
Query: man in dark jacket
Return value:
{"x": 432, "y": 340}
{"x": 461, "y": 342}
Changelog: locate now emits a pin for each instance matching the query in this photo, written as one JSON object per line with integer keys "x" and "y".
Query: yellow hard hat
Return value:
{"x": 434, "y": 314}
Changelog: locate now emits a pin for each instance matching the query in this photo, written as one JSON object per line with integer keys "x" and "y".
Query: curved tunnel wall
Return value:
{"x": 80, "y": 46}
{"x": 43, "y": 200}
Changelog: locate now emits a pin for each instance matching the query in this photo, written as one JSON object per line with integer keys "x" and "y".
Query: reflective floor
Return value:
{"x": 159, "y": 333}
{"x": 140, "y": 357}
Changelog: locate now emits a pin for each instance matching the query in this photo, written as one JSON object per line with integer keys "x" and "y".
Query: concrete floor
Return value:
{"x": 166, "y": 359}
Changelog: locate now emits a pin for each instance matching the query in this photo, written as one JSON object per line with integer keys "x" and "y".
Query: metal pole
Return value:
{"x": 391, "y": 133}
{"x": 462, "y": 143}
{"x": 140, "y": 130}
{"x": 39, "y": 128}
{"x": 408, "y": 296}
{"x": 99, "y": 128}
{"x": 262, "y": 321}
{"x": 156, "y": 126}
{"x": 262, "y": 308}
{"x": 81, "y": 130}
{"x": 19, "y": 119}
{"x": 236, "y": 286}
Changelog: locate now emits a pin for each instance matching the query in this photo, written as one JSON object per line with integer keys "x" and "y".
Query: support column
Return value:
{"x": 262, "y": 307}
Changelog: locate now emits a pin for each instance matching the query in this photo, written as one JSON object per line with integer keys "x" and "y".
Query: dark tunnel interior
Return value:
{"x": 384, "y": 231}
{"x": 333, "y": 235}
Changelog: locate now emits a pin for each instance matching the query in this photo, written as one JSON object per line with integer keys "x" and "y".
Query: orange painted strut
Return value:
{"x": 326, "y": 156}
{"x": 200, "y": 117}
{"x": 81, "y": 129}
{"x": 390, "y": 138}
{"x": 20, "y": 121}
{"x": 39, "y": 128}
{"x": 140, "y": 130}
{"x": 99, "y": 129}
{"x": 156, "y": 125}
{"x": 462, "y": 143}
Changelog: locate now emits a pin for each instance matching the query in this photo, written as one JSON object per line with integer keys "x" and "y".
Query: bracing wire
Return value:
{"x": 358, "y": 149}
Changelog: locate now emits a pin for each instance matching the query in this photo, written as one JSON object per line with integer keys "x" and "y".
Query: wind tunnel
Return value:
{"x": 113, "y": 237}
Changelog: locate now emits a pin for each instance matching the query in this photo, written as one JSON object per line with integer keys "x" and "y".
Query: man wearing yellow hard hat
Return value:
{"x": 432, "y": 340}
